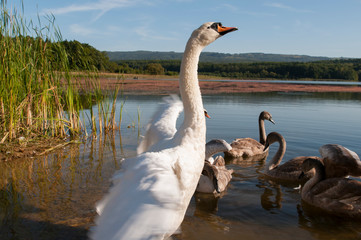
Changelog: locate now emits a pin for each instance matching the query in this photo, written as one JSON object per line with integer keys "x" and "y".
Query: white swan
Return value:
{"x": 288, "y": 171}
{"x": 338, "y": 196}
{"x": 162, "y": 124}
{"x": 249, "y": 147}
{"x": 215, "y": 176}
{"x": 154, "y": 189}
{"x": 340, "y": 161}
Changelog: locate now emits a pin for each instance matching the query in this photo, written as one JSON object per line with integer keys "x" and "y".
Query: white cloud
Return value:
{"x": 230, "y": 7}
{"x": 102, "y": 6}
{"x": 83, "y": 31}
{"x": 278, "y": 5}
{"x": 146, "y": 33}
{"x": 235, "y": 9}
{"x": 80, "y": 30}
{"x": 285, "y": 7}
{"x": 114, "y": 29}
{"x": 258, "y": 14}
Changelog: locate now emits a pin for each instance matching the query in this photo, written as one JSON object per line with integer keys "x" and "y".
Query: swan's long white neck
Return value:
{"x": 189, "y": 87}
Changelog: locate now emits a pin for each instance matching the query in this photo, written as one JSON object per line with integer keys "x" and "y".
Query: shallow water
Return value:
{"x": 53, "y": 197}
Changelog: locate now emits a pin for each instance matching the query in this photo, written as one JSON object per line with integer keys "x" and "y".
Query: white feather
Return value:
{"x": 163, "y": 123}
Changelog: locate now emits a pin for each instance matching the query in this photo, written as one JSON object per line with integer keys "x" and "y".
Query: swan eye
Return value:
{"x": 215, "y": 25}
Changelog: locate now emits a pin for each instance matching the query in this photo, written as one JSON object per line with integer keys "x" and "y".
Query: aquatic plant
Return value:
{"x": 38, "y": 93}
{"x": 30, "y": 86}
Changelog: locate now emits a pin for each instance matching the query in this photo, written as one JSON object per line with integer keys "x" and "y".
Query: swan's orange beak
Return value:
{"x": 224, "y": 30}
{"x": 206, "y": 114}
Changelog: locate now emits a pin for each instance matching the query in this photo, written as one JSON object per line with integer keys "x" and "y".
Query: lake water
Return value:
{"x": 53, "y": 197}
{"x": 305, "y": 82}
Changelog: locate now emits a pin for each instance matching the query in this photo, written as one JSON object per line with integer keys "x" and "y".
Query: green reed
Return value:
{"x": 107, "y": 110}
{"x": 29, "y": 85}
{"x": 38, "y": 94}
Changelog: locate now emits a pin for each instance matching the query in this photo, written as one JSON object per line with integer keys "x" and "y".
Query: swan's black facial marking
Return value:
{"x": 215, "y": 25}
{"x": 218, "y": 27}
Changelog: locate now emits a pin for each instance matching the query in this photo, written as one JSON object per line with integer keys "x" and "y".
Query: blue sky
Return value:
{"x": 329, "y": 28}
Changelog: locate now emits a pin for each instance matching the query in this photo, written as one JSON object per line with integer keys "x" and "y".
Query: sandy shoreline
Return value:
{"x": 152, "y": 86}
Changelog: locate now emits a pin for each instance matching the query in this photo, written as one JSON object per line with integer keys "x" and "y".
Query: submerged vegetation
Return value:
{"x": 39, "y": 96}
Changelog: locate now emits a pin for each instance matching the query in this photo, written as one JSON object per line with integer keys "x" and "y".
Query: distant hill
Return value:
{"x": 213, "y": 57}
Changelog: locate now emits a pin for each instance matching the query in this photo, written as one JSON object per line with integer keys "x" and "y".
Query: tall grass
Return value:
{"x": 30, "y": 93}
{"x": 38, "y": 94}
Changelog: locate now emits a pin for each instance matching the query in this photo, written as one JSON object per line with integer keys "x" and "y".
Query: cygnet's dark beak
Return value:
{"x": 271, "y": 120}
{"x": 215, "y": 184}
{"x": 266, "y": 146}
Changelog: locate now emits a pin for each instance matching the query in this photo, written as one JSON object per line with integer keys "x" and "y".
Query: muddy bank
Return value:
{"x": 166, "y": 86}
{"x": 30, "y": 148}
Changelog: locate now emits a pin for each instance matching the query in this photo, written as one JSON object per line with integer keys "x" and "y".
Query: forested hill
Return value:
{"x": 213, "y": 57}
{"x": 83, "y": 57}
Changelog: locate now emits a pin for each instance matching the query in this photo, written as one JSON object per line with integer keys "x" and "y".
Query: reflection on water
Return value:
{"x": 271, "y": 197}
{"x": 323, "y": 226}
{"x": 53, "y": 197}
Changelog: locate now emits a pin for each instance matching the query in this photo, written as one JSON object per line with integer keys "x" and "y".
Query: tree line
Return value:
{"x": 82, "y": 56}
{"x": 213, "y": 56}
{"x": 329, "y": 69}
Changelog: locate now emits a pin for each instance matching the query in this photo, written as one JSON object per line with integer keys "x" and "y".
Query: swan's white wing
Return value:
{"x": 144, "y": 203}
{"x": 163, "y": 123}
